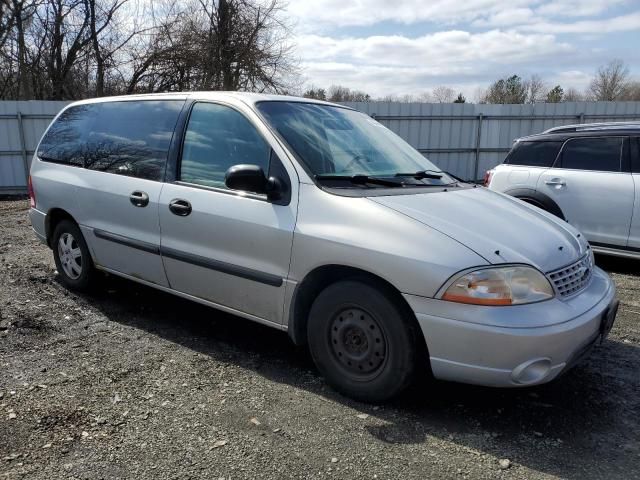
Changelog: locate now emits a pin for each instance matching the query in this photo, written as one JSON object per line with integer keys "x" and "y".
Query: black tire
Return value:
{"x": 363, "y": 340}
{"x": 87, "y": 274}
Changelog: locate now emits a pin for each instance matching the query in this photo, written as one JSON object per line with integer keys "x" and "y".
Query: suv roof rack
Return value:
{"x": 585, "y": 127}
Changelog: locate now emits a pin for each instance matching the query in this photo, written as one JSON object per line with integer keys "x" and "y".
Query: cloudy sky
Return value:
{"x": 410, "y": 46}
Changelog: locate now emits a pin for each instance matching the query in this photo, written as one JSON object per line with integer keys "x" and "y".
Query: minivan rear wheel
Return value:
{"x": 71, "y": 255}
{"x": 362, "y": 340}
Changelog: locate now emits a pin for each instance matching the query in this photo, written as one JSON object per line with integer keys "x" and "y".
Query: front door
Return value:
{"x": 228, "y": 247}
{"x": 593, "y": 187}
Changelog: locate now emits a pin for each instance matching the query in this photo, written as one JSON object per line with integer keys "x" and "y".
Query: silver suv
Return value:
{"x": 585, "y": 174}
{"x": 315, "y": 219}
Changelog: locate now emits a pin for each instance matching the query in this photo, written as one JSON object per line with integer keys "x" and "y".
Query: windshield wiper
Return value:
{"x": 362, "y": 180}
{"x": 419, "y": 175}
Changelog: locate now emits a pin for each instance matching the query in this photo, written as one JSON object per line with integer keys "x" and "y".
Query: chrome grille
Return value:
{"x": 573, "y": 278}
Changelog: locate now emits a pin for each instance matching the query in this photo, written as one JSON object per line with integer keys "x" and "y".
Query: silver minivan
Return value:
{"x": 315, "y": 219}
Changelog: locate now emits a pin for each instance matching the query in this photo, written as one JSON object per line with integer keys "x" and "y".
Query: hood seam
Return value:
{"x": 431, "y": 227}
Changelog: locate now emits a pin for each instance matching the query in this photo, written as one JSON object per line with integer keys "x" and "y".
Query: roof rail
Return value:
{"x": 585, "y": 127}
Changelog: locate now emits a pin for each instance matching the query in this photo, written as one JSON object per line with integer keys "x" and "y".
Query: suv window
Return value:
{"x": 533, "y": 154}
{"x": 219, "y": 137}
{"x": 635, "y": 154}
{"x": 128, "y": 138}
{"x": 601, "y": 154}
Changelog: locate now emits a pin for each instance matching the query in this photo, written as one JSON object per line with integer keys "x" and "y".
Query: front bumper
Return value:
{"x": 513, "y": 346}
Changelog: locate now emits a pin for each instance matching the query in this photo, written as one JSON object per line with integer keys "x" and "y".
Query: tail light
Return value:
{"x": 487, "y": 177}
{"x": 32, "y": 194}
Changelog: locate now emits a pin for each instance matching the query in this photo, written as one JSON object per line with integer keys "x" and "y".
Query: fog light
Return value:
{"x": 532, "y": 371}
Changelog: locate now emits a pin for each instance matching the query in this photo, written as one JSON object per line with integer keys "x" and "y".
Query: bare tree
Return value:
{"x": 15, "y": 16}
{"x": 316, "y": 93}
{"x": 339, "y": 93}
{"x": 573, "y": 95}
{"x": 162, "y": 58}
{"x": 59, "y": 49}
{"x": 536, "y": 89}
{"x": 610, "y": 81}
{"x": 245, "y": 45}
{"x": 443, "y": 94}
{"x": 7, "y": 20}
{"x": 424, "y": 97}
{"x": 105, "y": 41}
{"x": 632, "y": 92}
{"x": 215, "y": 44}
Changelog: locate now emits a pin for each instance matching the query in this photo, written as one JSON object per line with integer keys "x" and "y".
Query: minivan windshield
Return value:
{"x": 335, "y": 142}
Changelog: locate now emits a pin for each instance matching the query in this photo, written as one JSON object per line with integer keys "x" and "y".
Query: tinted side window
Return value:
{"x": 533, "y": 154}
{"x": 217, "y": 138}
{"x": 127, "y": 138}
{"x": 635, "y": 154}
{"x": 602, "y": 154}
{"x": 131, "y": 138}
{"x": 62, "y": 142}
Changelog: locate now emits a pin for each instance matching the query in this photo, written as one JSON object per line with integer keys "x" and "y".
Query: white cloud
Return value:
{"x": 316, "y": 14}
{"x": 477, "y": 42}
{"x": 572, "y": 78}
{"x": 446, "y": 48}
{"x": 506, "y": 18}
{"x": 397, "y": 64}
{"x": 577, "y": 8}
{"x": 628, "y": 22}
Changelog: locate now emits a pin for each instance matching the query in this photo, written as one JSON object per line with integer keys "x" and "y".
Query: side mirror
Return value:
{"x": 251, "y": 178}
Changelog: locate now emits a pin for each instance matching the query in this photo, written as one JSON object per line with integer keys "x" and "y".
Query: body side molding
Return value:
{"x": 228, "y": 268}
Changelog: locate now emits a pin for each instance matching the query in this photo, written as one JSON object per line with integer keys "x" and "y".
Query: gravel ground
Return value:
{"x": 134, "y": 383}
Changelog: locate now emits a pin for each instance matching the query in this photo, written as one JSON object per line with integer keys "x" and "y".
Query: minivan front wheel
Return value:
{"x": 71, "y": 255}
{"x": 362, "y": 340}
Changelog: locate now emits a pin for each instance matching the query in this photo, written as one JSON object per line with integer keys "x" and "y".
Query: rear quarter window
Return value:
{"x": 533, "y": 154}
{"x": 598, "y": 154}
{"x": 127, "y": 138}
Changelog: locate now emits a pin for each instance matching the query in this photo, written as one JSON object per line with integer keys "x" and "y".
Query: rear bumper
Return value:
{"x": 464, "y": 348}
{"x": 38, "y": 223}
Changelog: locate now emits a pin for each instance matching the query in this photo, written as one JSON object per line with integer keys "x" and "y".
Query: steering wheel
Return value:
{"x": 359, "y": 159}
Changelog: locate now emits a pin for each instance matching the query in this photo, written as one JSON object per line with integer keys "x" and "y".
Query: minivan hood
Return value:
{"x": 497, "y": 227}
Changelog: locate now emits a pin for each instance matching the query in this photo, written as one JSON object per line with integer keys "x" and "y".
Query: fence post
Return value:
{"x": 582, "y": 117}
{"x": 23, "y": 147}
{"x": 478, "y": 134}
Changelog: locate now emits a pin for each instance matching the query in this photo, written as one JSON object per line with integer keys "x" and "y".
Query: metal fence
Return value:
{"x": 464, "y": 139}
{"x": 468, "y": 139}
{"x": 22, "y": 123}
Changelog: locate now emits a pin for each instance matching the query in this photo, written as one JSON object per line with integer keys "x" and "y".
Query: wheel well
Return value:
{"x": 544, "y": 204}
{"x": 532, "y": 201}
{"x": 55, "y": 216}
{"x": 319, "y": 279}
{"x": 537, "y": 199}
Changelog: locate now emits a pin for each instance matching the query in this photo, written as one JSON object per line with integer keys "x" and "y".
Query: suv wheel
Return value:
{"x": 72, "y": 257}
{"x": 362, "y": 341}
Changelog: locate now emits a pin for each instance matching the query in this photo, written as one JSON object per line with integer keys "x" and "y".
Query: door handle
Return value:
{"x": 558, "y": 182}
{"x": 139, "y": 198}
{"x": 180, "y": 207}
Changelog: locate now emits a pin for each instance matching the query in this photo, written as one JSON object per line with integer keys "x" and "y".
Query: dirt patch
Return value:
{"x": 130, "y": 382}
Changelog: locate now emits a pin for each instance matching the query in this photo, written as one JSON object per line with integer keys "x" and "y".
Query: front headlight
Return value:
{"x": 511, "y": 285}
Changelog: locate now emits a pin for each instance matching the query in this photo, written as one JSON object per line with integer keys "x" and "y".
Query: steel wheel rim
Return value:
{"x": 358, "y": 343}
{"x": 70, "y": 256}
